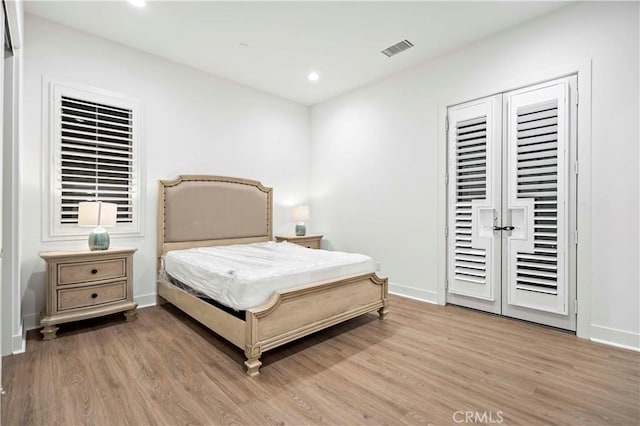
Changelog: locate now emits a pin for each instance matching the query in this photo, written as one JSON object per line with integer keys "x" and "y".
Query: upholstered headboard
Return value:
{"x": 202, "y": 210}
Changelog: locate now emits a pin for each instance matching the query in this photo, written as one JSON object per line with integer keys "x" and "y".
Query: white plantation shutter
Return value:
{"x": 474, "y": 200}
{"x": 94, "y": 151}
{"x": 96, "y": 157}
{"x": 537, "y": 197}
{"x": 537, "y": 162}
{"x": 471, "y": 184}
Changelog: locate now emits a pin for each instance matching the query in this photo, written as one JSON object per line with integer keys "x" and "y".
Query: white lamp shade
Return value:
{"x": 97, "y": 213}
{"x": 300, "y": 213}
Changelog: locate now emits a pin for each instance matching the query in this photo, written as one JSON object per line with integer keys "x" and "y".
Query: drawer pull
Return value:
{"x": 94, "y": 295}
{"x": 94, "y": 271}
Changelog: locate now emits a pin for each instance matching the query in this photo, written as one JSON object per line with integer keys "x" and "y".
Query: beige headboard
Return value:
{"x": 203, "y": 210}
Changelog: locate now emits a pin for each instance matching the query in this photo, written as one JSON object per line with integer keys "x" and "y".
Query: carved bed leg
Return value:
{"x": 253, "y": 366}
{"x": 253, "y": 362}
{"x": 382, "y": 312}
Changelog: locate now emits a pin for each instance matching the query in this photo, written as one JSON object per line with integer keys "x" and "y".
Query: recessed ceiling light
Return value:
{"x": 138, "y": 3}
{"x": 313, "y": 76}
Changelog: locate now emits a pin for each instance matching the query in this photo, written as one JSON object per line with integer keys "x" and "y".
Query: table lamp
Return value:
{"x": 101, "y": 215}
{"x": 300, "y": 214}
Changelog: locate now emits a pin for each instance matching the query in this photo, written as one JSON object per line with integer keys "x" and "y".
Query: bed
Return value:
{"x": 204, "y": 211}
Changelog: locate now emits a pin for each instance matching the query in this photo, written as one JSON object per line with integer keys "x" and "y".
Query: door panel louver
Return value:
{"x": 96, "y": 146}
{"x": 537, "y": 163}
{"x": 471, "y": 184}
{"x": 537, "y": 188}
{"x": 474, "y": 203}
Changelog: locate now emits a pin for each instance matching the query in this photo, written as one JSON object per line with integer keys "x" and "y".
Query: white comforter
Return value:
{"x": 243, "y": 276}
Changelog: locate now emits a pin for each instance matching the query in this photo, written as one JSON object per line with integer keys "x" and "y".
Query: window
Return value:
{"x": 93, "y": 147}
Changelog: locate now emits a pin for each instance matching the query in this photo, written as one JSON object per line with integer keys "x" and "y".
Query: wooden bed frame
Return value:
{"x": 202, "y": 210}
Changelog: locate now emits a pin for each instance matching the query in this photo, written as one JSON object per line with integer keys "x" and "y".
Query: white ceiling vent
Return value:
{"x": 397, "y": 48}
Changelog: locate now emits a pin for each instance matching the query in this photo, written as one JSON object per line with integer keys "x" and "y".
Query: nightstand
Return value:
{"x": 87, "y": 284}
{"x": 309, "y": 241}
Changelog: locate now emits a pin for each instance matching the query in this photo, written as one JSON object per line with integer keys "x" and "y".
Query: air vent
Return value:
{"x": 397, "y": 48}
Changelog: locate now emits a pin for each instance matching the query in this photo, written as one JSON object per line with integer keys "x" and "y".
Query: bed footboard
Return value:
{"x": 293, "y": 313}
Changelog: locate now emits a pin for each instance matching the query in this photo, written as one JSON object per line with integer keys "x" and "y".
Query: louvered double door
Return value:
{"x": 511, "y": 204}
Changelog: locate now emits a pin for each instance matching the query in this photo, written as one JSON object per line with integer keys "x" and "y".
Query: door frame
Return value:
{"x": 15, "y": 341}
{"x": 583, "y": 252}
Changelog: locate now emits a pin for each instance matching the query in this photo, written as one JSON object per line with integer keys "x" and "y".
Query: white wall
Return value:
{"x": 193, "y": 123}
{"x": 375, "y": 154}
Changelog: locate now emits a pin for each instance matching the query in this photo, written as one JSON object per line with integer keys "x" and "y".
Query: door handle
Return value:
{"x": 504, "y": 228}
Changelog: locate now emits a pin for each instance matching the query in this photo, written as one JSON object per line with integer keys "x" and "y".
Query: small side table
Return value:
{"x": 309, "y": 241}
{"x": 87, "y": 284}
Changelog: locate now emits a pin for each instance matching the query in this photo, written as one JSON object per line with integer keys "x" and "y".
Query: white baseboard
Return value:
{"x": 414, "y": 293}
{"x": 614, "y": 337}
{"x": 145, "y": 300}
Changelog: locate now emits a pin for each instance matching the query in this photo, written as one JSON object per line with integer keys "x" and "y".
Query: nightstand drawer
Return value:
{"x": 310, "y": 244}
{"x": 89, "y": 296}
{"x": 310, "y": 241}
{"x": 73, "y": 273}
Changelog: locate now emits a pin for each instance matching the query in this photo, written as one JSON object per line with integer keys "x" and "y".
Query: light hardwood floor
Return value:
{"x": 422, "y": 365}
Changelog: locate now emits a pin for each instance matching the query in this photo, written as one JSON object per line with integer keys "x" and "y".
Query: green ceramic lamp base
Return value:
{"x": 99, "y": 239}
{"x": 301, "y": 229}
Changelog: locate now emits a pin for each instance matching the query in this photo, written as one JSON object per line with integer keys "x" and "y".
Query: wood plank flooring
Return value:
{"x": 424, "y": 364}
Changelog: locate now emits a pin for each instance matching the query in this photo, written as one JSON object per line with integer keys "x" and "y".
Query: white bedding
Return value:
{"x": 243, "y": 276}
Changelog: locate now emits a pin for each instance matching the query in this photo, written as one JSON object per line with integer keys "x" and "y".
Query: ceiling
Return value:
{"x": 286, "y": 40}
